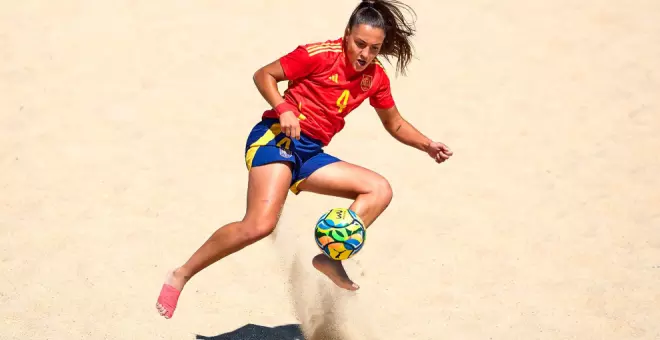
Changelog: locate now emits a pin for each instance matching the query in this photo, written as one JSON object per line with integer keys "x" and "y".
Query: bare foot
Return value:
{"x": 169, "y": 294}
{"x": 335, "y": 271}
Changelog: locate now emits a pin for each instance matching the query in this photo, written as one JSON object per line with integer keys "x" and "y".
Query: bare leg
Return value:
{"x": 268, "y": 187}
{"x": 371, "y": 194}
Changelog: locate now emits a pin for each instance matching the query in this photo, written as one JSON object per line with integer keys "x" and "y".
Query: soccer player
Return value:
{"x": 284, "y": 151}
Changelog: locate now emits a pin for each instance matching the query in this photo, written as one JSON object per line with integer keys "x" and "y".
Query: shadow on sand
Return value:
{"x": 256, "y": 332}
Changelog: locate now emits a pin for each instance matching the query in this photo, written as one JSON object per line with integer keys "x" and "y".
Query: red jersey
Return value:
{"x": 326, "y": 88}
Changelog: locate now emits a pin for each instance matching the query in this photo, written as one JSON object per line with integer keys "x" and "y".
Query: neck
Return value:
{"x": 350, "y": 71}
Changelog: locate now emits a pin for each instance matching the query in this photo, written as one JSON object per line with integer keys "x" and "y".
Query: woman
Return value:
{"x": 284, "y": 151}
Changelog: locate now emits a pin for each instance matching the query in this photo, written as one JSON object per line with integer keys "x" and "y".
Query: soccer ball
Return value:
{"x": 340, "y": 233}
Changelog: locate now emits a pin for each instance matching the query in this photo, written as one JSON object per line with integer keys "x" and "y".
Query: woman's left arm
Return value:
{"x": 407, "y": 134}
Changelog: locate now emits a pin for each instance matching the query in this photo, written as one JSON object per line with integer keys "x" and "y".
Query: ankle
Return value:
{"x": 182, "y": 273}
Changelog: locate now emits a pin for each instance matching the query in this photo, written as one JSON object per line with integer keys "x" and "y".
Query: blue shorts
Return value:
{"x": 266, "y": 144}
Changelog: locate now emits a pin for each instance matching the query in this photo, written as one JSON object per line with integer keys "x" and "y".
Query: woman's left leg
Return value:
{"x": 371, "y": 193}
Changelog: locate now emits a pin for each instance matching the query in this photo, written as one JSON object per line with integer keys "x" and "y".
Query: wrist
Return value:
{"x": 426, "y": 145}
{"x": 284, "y": 107}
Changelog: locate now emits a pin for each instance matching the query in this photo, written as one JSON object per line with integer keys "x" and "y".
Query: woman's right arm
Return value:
{"x": 266, "y": 79}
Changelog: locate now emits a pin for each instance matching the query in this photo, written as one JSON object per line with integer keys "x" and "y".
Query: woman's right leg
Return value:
{"x": 268, "y": 186}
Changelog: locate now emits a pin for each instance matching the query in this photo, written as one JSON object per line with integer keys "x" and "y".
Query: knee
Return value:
{"x": 381, "y": 189}
{"x": 257, "y": 228}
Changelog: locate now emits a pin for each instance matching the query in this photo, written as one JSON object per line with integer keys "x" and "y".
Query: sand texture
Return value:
{"x": 122, "y": 128}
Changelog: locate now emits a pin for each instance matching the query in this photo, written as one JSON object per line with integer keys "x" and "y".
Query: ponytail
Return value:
{"x": 388, "y": 15}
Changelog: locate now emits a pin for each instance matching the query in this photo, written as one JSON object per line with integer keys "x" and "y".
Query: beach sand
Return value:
{"x": 122, "y": 128}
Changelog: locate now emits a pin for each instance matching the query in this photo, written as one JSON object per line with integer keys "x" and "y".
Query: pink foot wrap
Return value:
{"x": 168, "y": 299}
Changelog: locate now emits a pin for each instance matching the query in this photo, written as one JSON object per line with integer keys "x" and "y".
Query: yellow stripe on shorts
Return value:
{"x": 294, "y": 188}
{"x": 273, "y": 131}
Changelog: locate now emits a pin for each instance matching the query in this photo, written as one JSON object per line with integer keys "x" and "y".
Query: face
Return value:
{"x": 363, "y": 43}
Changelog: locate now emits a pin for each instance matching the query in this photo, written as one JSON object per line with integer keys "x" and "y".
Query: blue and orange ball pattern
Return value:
{"x": 340, "y": 233}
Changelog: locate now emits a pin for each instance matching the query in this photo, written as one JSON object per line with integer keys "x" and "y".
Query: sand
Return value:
{"x": 122, "y": 126}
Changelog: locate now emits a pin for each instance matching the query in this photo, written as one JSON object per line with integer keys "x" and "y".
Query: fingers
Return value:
{"x": 442, "y": 154}
{"x": 441, "y": 157}
{"x": 295, "y": 130}
{"x": 290, "y": 125}
{"x": 292, "y": 131}
{"x": 445, "y": 149}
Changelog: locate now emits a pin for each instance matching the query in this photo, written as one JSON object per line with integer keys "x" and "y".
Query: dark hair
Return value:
{"x": 387, "y": 15}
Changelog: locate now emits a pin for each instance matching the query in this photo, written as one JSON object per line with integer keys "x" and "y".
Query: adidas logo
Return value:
{"x": 334, "y": 78}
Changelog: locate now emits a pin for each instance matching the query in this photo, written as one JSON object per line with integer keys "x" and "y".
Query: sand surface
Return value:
{"x": 122, "y": 126}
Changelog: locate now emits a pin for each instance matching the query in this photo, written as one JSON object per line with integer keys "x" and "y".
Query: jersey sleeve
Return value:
{"x": 382, "y": 97}
{"x": 298, "y": 63}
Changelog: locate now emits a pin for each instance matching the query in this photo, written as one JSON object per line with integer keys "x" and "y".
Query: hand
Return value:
{"x": 438, "y": 151}
{"x": 290, "y": 125}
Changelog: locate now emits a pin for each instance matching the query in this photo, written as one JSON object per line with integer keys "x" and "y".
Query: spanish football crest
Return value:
{"x": 365, "y": 84}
